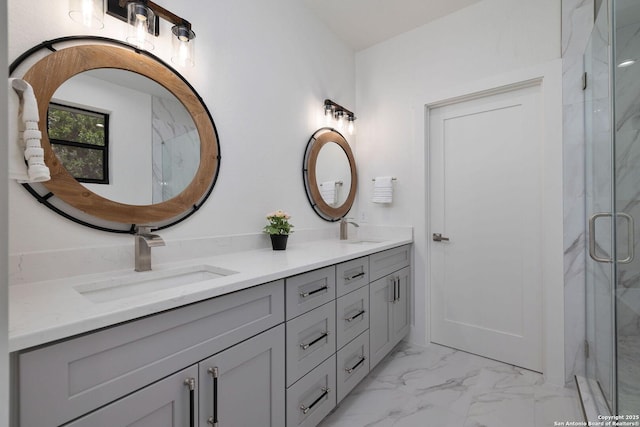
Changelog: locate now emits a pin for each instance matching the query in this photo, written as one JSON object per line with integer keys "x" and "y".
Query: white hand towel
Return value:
{"x": 28, "y": 135}
{"x": 328, "y": 192}
{"x": 17, "y": 166}
{"x": 383, "y": 190}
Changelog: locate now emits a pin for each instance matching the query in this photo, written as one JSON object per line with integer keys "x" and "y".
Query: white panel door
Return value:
{"x": 485, "y": 194}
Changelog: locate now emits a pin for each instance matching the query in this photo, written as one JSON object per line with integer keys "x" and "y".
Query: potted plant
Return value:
{"x": 278, "y": 229}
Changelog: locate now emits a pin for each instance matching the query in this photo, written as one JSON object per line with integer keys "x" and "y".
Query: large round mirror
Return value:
{"x": 127, "y": 139}
{"x": 330, "y": 177}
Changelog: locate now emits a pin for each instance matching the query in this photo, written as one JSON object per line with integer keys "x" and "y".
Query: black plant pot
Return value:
{"x": 279, "y": 241}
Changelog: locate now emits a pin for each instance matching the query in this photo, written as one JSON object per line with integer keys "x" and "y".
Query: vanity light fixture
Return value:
{"x": 143, "y": 18}
{"x": 89, "y": 13}
{"x": 339, "y": 114}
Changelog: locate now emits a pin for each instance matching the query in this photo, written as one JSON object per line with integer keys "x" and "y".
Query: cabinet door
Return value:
{"x": 381, "y": 318}
{"x": 400, "y": 308}
{"x": 244, "y": 385}
{"x": 167, "y": 403}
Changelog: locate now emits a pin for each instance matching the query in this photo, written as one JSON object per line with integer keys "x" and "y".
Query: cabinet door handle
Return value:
{"x": 191, "y": 384}
{"x": 323, "y": 336}
{"x": 215, "y": 374}
{"x": 305, "y": 409}
{"x": 393, "y": 283}
{"x": 356, "y": 366}
{"x": 306, "y": 294}
{"x": 397, "y": 279}
{"x": 355, "y": 316}
{"x": 355, "y": 276}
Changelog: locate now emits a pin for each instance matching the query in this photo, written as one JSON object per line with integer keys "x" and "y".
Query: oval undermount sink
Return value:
{"x": 141, "y": 283}
{"x": 362, "y": 241}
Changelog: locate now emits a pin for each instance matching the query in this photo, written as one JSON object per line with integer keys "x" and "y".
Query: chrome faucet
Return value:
{"x": 344, "y": 228}
{"x": 144, "y": 242}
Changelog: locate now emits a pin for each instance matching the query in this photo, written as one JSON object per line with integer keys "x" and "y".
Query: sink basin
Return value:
{"x": 141, "y": 283}
{"x": 362, "y": 241}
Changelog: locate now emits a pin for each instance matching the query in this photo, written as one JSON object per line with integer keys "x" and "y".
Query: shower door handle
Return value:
{"x": 592, "y": 236}
{"x": 630, "y": 237}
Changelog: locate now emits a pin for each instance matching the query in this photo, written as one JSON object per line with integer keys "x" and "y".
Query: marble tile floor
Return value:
{"x": 441, "y": 387}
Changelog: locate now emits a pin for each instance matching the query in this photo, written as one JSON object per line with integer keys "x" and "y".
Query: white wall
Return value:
{"x": 263, "y": 69}
{"x": 395, "y": 79}
{"x": 4, "y": 309}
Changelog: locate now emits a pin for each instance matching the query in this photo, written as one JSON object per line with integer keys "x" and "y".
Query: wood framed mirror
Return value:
{"x": 54, "y": 64}
{"x": 329, "y": 173}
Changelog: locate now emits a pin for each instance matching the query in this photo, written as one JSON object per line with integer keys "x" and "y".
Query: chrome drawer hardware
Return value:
{"x": 306, "y": 294}
{"x": 355, "y": 316}
{"x": 191, "y": 384}
{"x": 355, "y": 276}
{"x": 215, "y": 373}
{"x": 438, "y": 237}
{"x": 305, "y": 409}
{"x": 321, "y": 337}
{"x": 356, "y": 366}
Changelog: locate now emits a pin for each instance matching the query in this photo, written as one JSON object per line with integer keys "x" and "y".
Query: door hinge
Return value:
{"x": 584, "y": 80}
{"x": 586, "y": 349}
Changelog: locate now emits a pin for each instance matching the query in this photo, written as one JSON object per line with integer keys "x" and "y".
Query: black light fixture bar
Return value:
{"x": 118, "y": 9}
{"x": 337, "y": 107}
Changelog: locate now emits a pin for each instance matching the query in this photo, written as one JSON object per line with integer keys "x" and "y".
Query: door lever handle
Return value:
{"x": 437, "y": 237}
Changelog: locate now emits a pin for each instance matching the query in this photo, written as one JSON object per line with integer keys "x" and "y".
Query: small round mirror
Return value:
{"x": 329, "y": 171}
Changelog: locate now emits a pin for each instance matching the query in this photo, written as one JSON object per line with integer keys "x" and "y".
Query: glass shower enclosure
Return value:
{"x": 612, "y": 180}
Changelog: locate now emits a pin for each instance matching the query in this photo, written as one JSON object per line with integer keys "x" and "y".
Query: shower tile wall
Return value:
{"x": 627, "y": 148}
{"x": 176, "y": 148}
{"x": 577, "y": 22}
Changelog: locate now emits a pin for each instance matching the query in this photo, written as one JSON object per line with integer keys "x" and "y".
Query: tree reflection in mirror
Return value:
{"x": 80, "y": 139}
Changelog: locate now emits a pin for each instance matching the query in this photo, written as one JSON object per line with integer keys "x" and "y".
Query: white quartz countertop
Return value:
{"x": 47, "y": 311}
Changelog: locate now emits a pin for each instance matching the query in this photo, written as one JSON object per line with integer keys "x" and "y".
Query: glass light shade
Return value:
{"x": 328, "y": 115}
{"x": 89, "y": 13}
{"x": 340, "y": 120}
{"x": 351, "y": 126}
{"x": 183, "y": 46}
{"x": 142, "y": 25}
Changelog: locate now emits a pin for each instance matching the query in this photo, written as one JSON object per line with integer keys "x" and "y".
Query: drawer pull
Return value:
{"x": 214, "y": 372}
{"x": 356, "y": 366}
{"x": 191, "y": 384}
{"x": 321, "y": 337}
{"x": 305, "y": 409}
{"x": 355, "y": 316}
{"x": 306, "y": 294}
{"x": 356, "y": 276}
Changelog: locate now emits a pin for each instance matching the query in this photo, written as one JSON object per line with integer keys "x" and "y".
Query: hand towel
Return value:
{"x": 28, "y": 135}
{"x": 383, "y": 189}
{"x": 328, "y": 192}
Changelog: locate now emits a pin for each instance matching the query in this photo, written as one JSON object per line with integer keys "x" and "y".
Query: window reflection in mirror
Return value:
{"x": 154, "y": 147}
{"x": 80, "y": 140}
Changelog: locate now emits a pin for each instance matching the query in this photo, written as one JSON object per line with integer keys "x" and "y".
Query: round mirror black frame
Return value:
{"x": 157, "y": 220}
{"x": 319, "y": 138}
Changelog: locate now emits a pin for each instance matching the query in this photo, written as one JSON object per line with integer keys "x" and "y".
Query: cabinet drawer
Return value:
{"x": 352, "y": 275}
{"x": 311, "y": 338}
{"x": 352, "y": 365}
{"x": 165, "y": 403}
{"x": 313, "y": 397}
{"x": 352, "y": 315}
{"x": 388, "y": 261}
{"x": 66, "y": 380}
{"x": 310, "y": 290}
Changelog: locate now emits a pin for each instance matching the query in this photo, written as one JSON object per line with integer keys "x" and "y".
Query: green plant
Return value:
{"x": 278, "y": 223}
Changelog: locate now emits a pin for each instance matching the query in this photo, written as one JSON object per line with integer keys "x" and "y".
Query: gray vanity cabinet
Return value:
{"x": 244, "y": 385}
{"x": 389, "y": 308}
{"x": 169, "y": 402}
{"x": 69, "y": 379}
